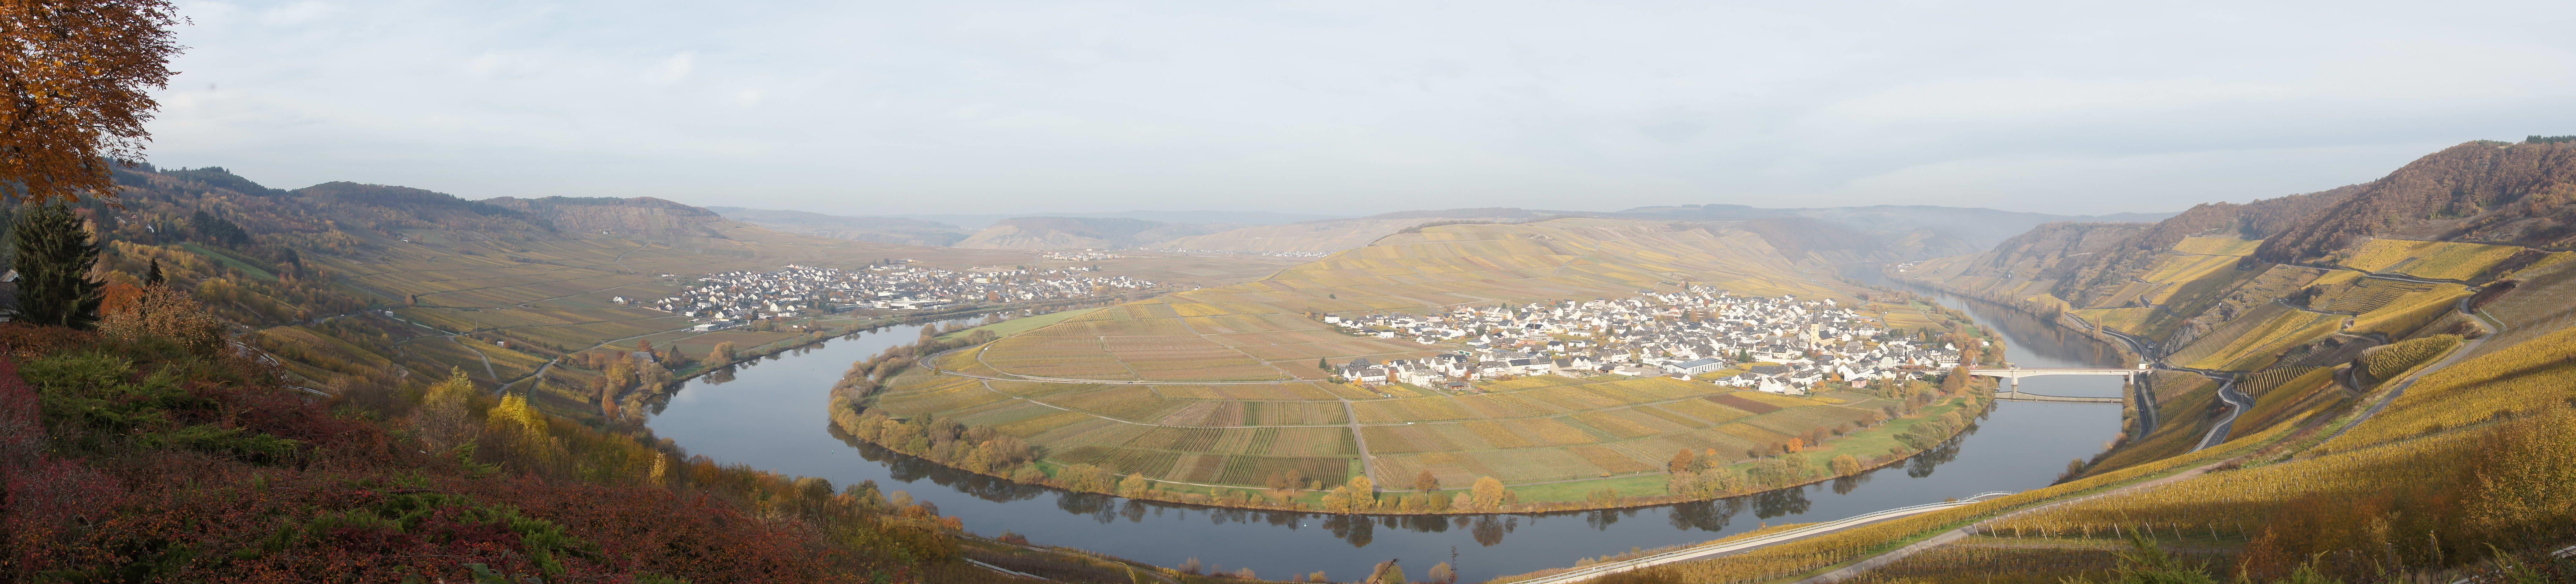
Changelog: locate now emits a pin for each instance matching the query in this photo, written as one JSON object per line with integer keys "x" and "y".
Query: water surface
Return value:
{"x": 770, "y": 414}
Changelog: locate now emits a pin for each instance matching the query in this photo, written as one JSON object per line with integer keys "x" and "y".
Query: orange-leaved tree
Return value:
{"x": 75, "y": 83}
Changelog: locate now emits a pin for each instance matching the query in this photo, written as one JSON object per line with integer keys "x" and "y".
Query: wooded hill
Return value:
{"x": 376, "y": 435}
{"x": 355, "y": 284}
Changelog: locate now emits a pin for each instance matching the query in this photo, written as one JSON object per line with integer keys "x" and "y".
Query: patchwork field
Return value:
{"x": 1220, "y": 386}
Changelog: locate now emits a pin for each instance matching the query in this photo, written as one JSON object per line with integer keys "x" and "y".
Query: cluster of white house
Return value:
{"x": 723, "y": 300}
{"x": 1078, "y": 256}
{"x": 1781, "y": 345}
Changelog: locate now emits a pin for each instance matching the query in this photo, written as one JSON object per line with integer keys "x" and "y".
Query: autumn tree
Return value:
{"x": 1845, "y": 465}
{"x": 78, "y": 77}
{"x": 1440, "y": 573}
{"x": 722, "y": 354}
{"x": 1489, "y": 493}
{"x": 54, "y": 256}
{"x": 445, "y": 418}
{"x": 1426, "y": 482}
{"x": 158, "y": 312}
{"x": 1681, "y": 462}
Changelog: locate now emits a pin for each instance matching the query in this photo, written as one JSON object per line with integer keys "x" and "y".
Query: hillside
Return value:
{"x": 1907, "y": 231}
{"x": 876, "y": 229}
{"x": 1331, "y": 235}
{"x": 2408, "y": 370}
{"x": 356, "y": 284}
{"x": 2481, "y": 192}
{"x": 1219, "y": 386}
{"x": 1077, "y": 233}
{"x": 1912, "y": 231}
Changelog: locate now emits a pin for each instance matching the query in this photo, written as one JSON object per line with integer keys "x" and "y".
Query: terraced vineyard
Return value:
{"x": 2439, "y": 260}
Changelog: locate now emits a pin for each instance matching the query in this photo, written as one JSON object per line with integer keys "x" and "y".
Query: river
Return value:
{"x": 770, "y": 414}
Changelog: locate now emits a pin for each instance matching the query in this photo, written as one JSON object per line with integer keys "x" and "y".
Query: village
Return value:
{"x": 1777, "y": 345}
{"x": 725, "y": 300}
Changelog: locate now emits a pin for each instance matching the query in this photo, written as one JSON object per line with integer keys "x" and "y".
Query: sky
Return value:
{"x": 1348, "y": 108}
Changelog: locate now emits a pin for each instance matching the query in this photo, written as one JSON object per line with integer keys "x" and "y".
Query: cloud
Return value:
{"x": 297, "y": 14}
{"x": 675, "y": 68}
{"x": 1357, "y": 107}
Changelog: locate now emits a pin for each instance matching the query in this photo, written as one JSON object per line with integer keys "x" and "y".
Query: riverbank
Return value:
{"x": 856, "y": 326}
{"x": 763, "y": 416}
{"x": 1930, "y": 416}
{"x": 2130, "y": 348}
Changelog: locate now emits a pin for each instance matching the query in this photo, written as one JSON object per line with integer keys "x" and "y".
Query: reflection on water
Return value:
{"x": 770, "y": 414}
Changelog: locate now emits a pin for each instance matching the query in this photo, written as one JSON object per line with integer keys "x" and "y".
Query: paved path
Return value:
{"x": 1740, "y": 545}
{"x": 2400, "y": 388}
{"x": 1368, "y": 464}
{"x": 1883, "y": 560}
{"x": 2237, "y": 403}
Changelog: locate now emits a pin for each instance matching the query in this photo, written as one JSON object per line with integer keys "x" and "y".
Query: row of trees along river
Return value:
{"x": 769, "y": 413}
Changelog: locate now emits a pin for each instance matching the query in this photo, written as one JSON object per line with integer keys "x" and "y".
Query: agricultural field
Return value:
{"x": 2127, "y": 320}
{"x": 2256, "y": 339}
{"x": 2436, "y": 260}
{"x": 1221, "y": 385}
{"x": 521, "y": 299}
{"x": 2220, "y": 246}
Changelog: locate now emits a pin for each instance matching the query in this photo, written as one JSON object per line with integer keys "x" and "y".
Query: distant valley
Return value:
{"x": 1904, "y": 231}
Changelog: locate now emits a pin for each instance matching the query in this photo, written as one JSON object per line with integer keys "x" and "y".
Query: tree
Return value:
{"x": 54, "y": 260}
{"x": 1321, "y": 363}
{"x": 1440, "y": 573}
{"x": 722, "y": 354}
{"x": 1386, "y": 573}
{"x": 1135, "y": 487}
{"x": 1681, "y": 462}
{"x": 1426, "y": 482}
{"x": 1489, "y": 492}
{"x": 444, "y": 419}
{"x": 78, "y": 77}
{"x": 1845, "y": 464}
{"x": 152, "y": 275}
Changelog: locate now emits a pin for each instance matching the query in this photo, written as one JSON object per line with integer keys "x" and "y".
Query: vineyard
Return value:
{"x": 2537, "y": 375}
{"x": 2369, "y": 294}
{"x": 2256, "y": 338}
{"x": 1215, "y": 421}
{"x": 2386, "y": 362}
{"x": 2427, "y": 259}
{"x": 1807, "y": 556}
{"x": 2224, "y": 246}
{"x": 2410, "y": 312}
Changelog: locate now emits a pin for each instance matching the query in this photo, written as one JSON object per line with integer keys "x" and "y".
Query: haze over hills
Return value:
{"x": 1909, "y": 231}
{"x": 1078, "y": 233}
{"x": 983, "y": 220}
{"x": 877, "y": 229}
{"x": 1912, "y": 232}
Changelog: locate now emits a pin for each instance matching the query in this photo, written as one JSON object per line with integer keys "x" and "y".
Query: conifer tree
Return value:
{"x": 54, "y": 256}
{"x": 152, "y": 275}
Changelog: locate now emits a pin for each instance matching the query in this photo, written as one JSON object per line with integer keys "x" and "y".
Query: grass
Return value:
{"x": 1023, "y": 324}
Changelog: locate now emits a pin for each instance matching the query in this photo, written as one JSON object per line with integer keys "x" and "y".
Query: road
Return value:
{"x": 1368, "y": 464}
{"x": 1740, "y": 545}
{"x": 2237, "y": 403}
{"x": 2400, "y": 387}
{"x": 1882, "y": 560}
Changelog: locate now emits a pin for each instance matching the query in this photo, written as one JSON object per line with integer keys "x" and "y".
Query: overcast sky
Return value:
{"x": 1358, "y": 107}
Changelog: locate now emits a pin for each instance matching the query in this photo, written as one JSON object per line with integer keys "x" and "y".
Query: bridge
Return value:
{"x": 2014, "y": 374}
